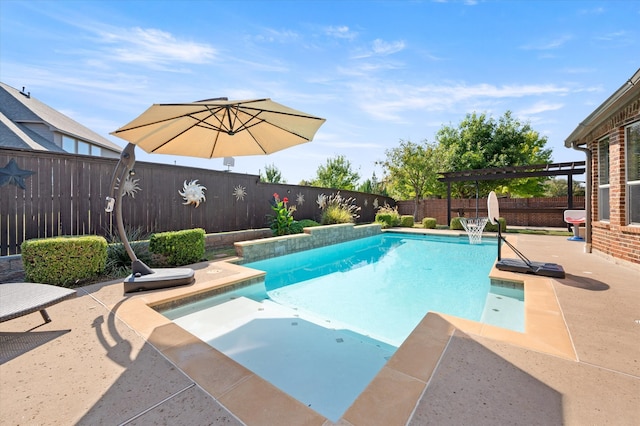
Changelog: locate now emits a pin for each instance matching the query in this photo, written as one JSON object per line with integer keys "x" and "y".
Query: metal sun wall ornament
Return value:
{"x": 193, "y": 193}
{"x": 375, "y": 203}
{"x": 322, "y": 201}
{"x": 130, "y": 186}
{"x": 239, "y": 192}
{"x": 300, "y": 199}
{"x": 12, "y": 174}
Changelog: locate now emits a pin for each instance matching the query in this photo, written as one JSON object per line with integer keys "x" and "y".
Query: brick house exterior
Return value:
{"x": 610, "y": 138}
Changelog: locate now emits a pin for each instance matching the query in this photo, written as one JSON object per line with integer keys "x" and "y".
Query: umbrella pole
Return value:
{"x": 123, "y": 168}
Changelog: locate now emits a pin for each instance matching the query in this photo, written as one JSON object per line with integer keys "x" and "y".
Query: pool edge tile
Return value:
{"x": 389, "y": 400}
{"x": 196, "y": 358}
{"x": 257, "y": 402}
{"x": 420, "y": 353}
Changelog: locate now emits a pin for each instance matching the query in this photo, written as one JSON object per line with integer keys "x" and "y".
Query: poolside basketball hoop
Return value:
{"x": 474, "y": 227}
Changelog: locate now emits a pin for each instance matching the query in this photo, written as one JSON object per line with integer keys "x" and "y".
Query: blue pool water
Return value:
{"x": 325, "y": 321}
{"x": 382, "y": 286}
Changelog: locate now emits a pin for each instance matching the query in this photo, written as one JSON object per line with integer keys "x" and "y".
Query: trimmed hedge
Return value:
{"x": 387, "y": 220}
{"x": 297, "y": 227}
{"x": 455, "y": 224}
{"x": 494, "y": 228}
{"x": 64, "y": 261}
{"x": 406, "y": 221}
{"x": 179, "y": 247}
{"x": 429, "y": 223}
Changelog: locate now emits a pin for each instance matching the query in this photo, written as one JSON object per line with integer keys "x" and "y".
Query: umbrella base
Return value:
{"x": 536, "y": 268}
{"x": 158, "y": 279}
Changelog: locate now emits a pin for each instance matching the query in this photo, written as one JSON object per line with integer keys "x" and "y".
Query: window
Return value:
{"x": 69, "y": 144}
{"x": 75, "y": 146}
{"x": 603, "y": 179}
{"x": 633, "y": 173}
{"x": 83, "y": 148}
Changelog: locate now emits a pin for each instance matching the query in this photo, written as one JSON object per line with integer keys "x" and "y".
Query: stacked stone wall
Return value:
{"x": 313, "y": 237}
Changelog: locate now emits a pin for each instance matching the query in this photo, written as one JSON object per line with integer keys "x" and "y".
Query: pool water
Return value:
{"x": 325, "y": 321}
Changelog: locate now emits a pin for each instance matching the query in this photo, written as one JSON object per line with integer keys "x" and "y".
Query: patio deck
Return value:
{"x": 102, "y": 360}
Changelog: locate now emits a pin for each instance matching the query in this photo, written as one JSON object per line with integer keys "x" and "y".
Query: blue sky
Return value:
{"x": 378, "y": 71}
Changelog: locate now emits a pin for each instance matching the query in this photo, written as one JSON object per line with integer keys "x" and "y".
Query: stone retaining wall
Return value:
{"x": 313, "y": 237}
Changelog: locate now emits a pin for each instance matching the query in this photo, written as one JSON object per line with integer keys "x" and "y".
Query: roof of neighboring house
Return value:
{"x": 18, "y": 108}
{"x": 628, "y": 92}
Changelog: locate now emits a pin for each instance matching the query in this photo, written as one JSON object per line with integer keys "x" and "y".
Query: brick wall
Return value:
{"x": 614, "y": 237}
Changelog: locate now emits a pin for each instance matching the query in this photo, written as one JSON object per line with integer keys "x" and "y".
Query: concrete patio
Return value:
{"x": 102, "y": 362}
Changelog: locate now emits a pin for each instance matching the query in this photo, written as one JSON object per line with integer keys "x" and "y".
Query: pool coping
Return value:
{"x": 392, "y": 395}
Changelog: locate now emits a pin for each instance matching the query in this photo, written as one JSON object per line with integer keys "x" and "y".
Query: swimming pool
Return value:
{"x": 367, "y": 296}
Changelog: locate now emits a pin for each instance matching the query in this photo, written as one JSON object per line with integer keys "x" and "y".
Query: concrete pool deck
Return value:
{"x": 107, "y": 358}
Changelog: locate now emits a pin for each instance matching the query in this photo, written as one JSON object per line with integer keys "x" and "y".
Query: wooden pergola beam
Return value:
{"x": 515, "y": 172}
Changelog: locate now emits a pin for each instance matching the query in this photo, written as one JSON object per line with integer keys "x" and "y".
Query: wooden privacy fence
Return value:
{"x": 67, "y": 192}
{"x": 541, "y": 212}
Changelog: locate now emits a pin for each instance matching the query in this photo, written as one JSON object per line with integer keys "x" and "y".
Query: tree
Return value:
{"x": 412, "y": 170}
{"x": 272, "y": 175}
{"x": 373, "y": 186}
{"x": 479, "y": 142}
{"x": 337, "y": 173}
{"x": 558, "y": 187}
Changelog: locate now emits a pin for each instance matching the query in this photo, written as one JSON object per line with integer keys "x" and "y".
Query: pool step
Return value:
{"x": 324, "y": 368}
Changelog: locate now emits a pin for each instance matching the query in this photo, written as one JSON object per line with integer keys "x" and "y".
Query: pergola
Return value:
{"x": 536, "y": 170}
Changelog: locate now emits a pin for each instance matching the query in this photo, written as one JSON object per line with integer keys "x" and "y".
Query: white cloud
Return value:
{"x": 153, "y": 47}
{"x": 278, "y": 36}
{"x": 594, "y": 11}
{"x": 617, "y": 36}
{"x": 540, "y": 107}
{"x": 548, "y": 44}
{"x": 342, "y": 31}
{"x": 388, "y": 102}
{"x": 381, "y": 47}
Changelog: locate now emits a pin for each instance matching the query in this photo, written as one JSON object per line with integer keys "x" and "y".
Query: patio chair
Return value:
{"x": 18, "y": 299}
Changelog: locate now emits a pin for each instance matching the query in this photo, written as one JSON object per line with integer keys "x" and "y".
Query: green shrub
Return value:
{"x": 406, "y": 221}
{"x": 179, "y": 247}
{"x": 64, "y": 261}
{"x": 429, "y": 223}
{"x": 456, "y": 224}
{"x": 297, "y": 227}
{"x": 494, "y": 228}
{"x": 388, "y": 216}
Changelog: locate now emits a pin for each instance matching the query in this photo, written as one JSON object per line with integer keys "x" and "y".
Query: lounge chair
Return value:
{"x": 18, "y": 299}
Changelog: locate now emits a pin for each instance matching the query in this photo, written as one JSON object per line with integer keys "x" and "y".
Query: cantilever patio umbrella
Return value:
{"x": 206, "y": 129}
{"x": 219, "y": 128}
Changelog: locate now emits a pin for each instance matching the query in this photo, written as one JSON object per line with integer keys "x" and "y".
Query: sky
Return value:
{"x": 378, "y": 71}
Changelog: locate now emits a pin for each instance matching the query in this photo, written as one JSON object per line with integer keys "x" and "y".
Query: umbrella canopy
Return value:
{"x": 220, "y": 128}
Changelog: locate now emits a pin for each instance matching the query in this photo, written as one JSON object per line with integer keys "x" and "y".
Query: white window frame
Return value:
{"x": 604, "y": 187}
{"x": 630, "y": 183}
